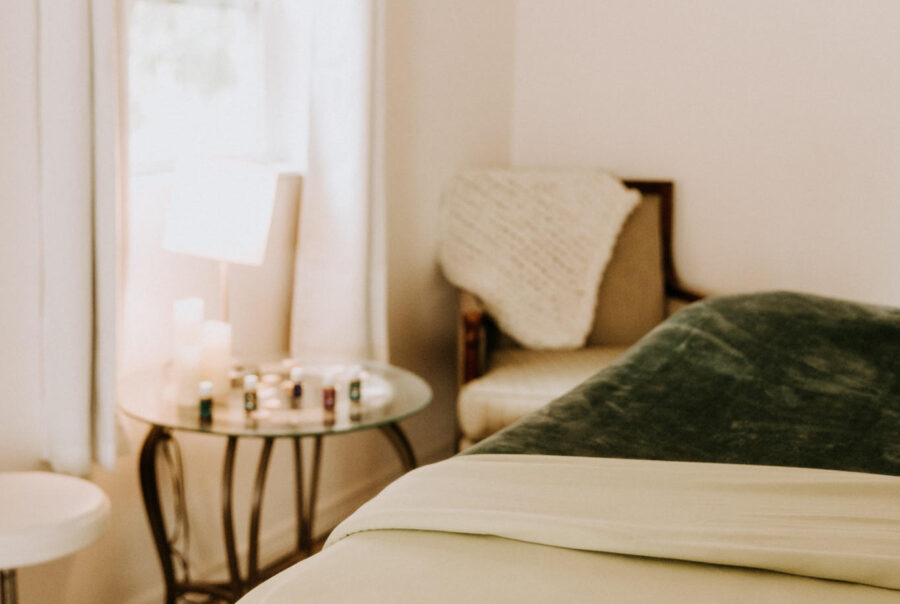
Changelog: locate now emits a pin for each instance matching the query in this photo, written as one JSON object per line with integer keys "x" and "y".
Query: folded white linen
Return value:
{"x": 815, "y": 523}
{"x": 532, "y": 244}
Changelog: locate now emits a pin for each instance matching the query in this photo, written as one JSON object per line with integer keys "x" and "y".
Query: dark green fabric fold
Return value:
{"x": 775, "y": 378}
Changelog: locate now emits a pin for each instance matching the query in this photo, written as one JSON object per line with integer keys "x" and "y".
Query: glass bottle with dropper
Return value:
{"x": 206, "y": 403}
{"x": 354, "y": 393}
{"x": 329, "y": 398}
{"x": 250, "y": 398}
{"x": 296, "y": 394}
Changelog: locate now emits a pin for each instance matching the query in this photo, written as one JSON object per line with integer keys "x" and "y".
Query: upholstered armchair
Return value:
{"x": 500, "y": 381}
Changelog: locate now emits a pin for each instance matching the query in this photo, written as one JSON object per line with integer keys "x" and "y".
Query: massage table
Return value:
{"x": 745, "y": 450}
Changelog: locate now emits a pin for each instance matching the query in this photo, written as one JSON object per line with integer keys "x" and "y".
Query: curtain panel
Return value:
{"x": 339, "y": 303}
{"x": 82, "y": 172}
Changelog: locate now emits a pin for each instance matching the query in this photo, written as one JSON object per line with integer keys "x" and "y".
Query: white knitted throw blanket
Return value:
{"x": 532, "y": 244}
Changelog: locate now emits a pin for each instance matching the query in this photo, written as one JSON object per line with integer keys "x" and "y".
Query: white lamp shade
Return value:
{"x": 221, "y": 209}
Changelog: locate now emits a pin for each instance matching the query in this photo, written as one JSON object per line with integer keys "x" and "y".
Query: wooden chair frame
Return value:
{"x": 476, "y": 327}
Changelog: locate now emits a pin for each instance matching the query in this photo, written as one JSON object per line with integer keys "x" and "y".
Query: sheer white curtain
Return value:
{"x": 339, "y": 286}
{"x": 81, "y": 184}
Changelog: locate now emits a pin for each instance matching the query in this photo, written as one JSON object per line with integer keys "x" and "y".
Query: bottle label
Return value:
{"x": 205, "y": 410}
{"x": 249, "y": 401}
{"x": 297, "y": 395}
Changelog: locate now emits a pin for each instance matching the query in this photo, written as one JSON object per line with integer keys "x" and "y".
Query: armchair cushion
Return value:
{"x": 521, "y": 381}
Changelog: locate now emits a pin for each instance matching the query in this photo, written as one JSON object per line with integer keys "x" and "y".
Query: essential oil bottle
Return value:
{"x": 354, "y": 393}
{"x": 296, "y": 399}
{"x": 206, "y": 403}
{"x": 250, "y": 397}
{"x": 329, "y": 397}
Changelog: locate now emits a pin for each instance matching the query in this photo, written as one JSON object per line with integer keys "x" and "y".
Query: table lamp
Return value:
{"x": 220, "y": 210}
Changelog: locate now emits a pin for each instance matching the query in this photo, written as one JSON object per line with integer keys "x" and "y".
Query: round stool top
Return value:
{"x": 44, "y": 516}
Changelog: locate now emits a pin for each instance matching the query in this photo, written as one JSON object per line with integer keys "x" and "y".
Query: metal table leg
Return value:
{"x": 172, "y": 545}
{"x": 401, "y": 445}
{"x": 157, "y": 437}
{"x": 313, "y": 494}
{"x": 8, "y": 586}
{"x": 304, "y": 513}
{"x": 298, "y": 490}
{"x": 306, "y": 498}
{"x": 259, "y": 486}
{"x": 234, "y": 571}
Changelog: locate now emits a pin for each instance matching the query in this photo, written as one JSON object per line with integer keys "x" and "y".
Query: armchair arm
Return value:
{"x": 472, "y": 340}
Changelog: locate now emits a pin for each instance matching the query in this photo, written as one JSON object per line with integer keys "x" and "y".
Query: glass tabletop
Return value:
{"x": 388, "y": 394}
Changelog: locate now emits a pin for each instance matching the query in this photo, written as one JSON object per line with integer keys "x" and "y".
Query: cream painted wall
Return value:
{"x": 449, "y": 83}
{"x": 777, "y": 120}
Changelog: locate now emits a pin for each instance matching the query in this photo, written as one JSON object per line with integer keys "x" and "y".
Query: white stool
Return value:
{"x": 44, "y": 516}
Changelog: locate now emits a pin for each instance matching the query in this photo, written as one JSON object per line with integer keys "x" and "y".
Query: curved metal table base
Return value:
{"x": 173, "y": 539}
{"x": 8, "y": 586}
{"x": 401, "y": 445}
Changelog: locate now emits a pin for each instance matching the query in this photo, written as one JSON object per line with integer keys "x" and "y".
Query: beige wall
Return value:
{"x": 777, "y": 120}
{"x": 449, "y": 84}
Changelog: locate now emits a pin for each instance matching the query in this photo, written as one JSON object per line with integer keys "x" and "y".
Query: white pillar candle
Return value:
{"x": 187, "y": 375}
{"x": 187, "y": 322}
{"x": 216, "y": 361}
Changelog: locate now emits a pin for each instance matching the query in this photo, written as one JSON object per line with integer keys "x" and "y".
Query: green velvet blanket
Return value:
{"x": 776, "y": 378}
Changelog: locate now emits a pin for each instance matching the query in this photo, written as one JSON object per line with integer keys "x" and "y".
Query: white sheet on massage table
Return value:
{"x": 390, "y": 567}
{"x": 536, "y": 528}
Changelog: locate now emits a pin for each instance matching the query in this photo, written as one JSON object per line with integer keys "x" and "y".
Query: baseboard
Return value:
{"x": 281, "y": 537}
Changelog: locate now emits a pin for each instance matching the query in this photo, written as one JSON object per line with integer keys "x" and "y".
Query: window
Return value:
{"x": 217, "y": 78}
{"x": 207, "y": 79}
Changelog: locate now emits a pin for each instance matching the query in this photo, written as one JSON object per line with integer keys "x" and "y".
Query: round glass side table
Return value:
{"x": 389, "y": 395}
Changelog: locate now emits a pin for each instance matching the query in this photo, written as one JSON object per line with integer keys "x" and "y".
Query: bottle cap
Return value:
{"x": 206, "y": 389}
{"x": 250, "y": 381}
{"x": 296, "y": 374}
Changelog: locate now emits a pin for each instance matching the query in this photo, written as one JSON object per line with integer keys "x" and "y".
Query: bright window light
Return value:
{"x": 217, "y": 78}
{"x": 196, "y": 80}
